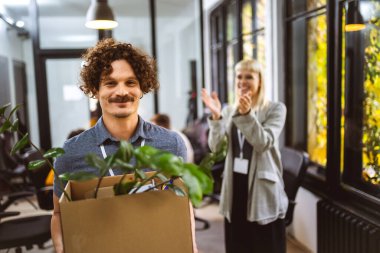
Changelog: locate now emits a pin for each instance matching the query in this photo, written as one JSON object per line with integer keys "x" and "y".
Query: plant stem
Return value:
{"x": 162, "y": 183}
{"x": 50, "y": 165}
{"x": 144, "y": 182}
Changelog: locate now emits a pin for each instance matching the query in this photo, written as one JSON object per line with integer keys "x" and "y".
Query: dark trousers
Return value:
{"x": 250, "y": 237}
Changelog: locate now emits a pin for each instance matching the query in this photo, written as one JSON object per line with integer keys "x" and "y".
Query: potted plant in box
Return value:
{"x": 166, "y": 167}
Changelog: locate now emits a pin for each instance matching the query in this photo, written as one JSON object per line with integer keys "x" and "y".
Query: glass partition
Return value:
{"x": 68, "y": 106}
{"x": 178, "y": 49}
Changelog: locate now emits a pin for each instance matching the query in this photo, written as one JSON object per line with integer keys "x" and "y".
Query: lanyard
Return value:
{"x": 105, "y": 155}
{"x": 241, "y": 140}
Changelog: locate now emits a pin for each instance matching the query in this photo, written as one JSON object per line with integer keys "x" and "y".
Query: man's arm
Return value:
{"x": 56, "y": 231}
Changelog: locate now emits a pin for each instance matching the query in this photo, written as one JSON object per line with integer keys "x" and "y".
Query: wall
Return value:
{"x": 304, "y": 226}
{"x": 19, "y": 48}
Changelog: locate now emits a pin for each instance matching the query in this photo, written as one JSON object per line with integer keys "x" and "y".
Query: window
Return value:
{"x": 314, "y": 98}
{"x": 307, "y": 81}
{"x": 240, "y": 36}
{"x": 362, "y": 107}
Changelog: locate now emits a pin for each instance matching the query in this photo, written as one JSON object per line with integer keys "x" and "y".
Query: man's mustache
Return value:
{"x": 122, "y": 99}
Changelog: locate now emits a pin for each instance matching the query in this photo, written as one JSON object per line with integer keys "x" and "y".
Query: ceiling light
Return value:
{"x": 354, "y": 21}
{"x": 100, "y": 16}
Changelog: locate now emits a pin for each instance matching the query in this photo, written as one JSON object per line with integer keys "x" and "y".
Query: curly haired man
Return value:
{"x": 118, "y": 75}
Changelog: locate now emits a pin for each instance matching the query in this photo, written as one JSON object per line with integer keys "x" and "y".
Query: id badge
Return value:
{"x": 241, "y": 165}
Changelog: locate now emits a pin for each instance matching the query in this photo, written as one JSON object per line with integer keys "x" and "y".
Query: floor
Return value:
{"x": 210, "y": 240}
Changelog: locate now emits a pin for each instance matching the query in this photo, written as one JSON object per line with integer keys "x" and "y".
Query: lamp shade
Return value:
{"x": 354, "y": 21}
{"x": 100, "y": 16}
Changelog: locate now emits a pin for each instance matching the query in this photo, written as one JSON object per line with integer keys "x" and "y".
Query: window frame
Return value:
{"x": 330, "y": 181}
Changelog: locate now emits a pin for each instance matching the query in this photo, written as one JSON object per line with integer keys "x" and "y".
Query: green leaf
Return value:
{"x": 206, "y": 182}
{"x": 54, "y": 153}
{"x": 167, "y": 163}
{"x": 110, "y": 160}
{"x": 13, "y": 110}
{"x": 162, "y": 177}
{"x": 78, "y": 176}
{"x": 125, "y": 151}
{"x": 207, "y": 162}
{"x": 195, "y": 189}
{"x": 177, "y": 190}
{"x": 125, "y": 167}
{"x": 140, "y": 174}
{"x": 20, "y": 144}
{"x": 15, "y": 125}
{"x": 95, "y": 161}
{"x": 36, "y": 164}
{"x": 124, "y": 187}
{"x": 4, "y": 108}
{"x": 5, "y": 126}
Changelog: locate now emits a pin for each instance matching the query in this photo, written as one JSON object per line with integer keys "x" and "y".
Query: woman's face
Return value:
{"x": 247, "y": 81}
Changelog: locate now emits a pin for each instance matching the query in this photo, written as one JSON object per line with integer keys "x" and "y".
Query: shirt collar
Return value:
{"x": 102, "y": 133}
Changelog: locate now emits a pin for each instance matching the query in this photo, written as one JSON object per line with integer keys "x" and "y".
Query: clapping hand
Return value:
{"x": 213, "y": 103}
{"x": 245, "y": 102}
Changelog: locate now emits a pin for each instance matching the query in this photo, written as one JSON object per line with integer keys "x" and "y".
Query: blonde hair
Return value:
{"x": 254, "y": 66}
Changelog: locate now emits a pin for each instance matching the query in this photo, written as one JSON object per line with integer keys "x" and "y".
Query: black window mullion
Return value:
{"x": 239, "y": 8}
{"x": 334, "y": 42}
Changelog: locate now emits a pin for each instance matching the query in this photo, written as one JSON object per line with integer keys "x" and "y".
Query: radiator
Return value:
{"x": 340, "y": 231}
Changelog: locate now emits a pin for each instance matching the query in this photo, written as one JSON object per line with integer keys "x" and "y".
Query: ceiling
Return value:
{"x": 19, "y": 8}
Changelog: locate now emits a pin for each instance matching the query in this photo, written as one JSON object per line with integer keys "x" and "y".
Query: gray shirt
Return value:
{"x": 90, "y": 141}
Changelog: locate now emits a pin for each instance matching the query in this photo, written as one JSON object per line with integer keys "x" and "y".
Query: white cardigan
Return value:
{"x": 267, "y": 200}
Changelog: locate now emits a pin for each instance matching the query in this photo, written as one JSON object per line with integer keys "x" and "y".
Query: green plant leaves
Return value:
{"x": 54, "y": 153}
{"x": 194, "y": 186}
{"x": 3, "y": 109}
{"x": 20, "y": 144}
{"x": 13, "y": 111}
{"x": 5, "y": 126}
{"x": 36, "y": 164}
{"x": 125, "y": 151}
{"x": 167, "y": 166}
{"x": 124, "y": 187}
{"x": 78, "y": 176}
{"x": 95, "y": 161}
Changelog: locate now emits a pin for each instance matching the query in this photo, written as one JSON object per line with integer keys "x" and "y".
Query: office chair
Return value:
{"x": 37, "y": 177}
{"x": 13, "y": 167}
{"x": 294, "y": 165}
{"x": 22, "y": 232}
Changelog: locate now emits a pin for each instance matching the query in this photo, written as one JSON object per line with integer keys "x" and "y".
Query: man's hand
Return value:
{"x": 213, "y": 103}
{"x": 56, "y": 232}
{"x": 245, "y": 102}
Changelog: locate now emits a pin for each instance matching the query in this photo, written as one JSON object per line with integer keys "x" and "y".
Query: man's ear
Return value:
{"x": 96, "y": 95}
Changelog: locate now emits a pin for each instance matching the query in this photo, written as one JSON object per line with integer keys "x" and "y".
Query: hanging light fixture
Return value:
{"x": 100, "y": 16}
{"x": 354, "y": 21}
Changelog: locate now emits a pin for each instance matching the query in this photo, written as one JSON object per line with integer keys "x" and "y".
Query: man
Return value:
{"x": 118, "y": 75}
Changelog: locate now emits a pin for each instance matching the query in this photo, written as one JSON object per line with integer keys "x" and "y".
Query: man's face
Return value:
{"x": 119, "y": 93}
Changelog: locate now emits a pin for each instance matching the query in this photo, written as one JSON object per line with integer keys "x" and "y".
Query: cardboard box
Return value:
{"x": 154, "y": 221}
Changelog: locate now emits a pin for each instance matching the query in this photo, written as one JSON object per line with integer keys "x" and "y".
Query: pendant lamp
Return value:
{"x": 100, "y": 16}
{"x": 354, "y": 21}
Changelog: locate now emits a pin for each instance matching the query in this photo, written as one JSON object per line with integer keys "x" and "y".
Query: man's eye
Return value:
{"x": 131, "y": 82}
{"x": 110, "y": 84}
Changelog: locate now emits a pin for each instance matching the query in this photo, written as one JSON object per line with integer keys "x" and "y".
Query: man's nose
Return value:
{"x": 121, "y": 90}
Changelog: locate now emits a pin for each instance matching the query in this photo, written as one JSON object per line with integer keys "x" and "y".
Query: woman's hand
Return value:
{"x": 213, "y": 103}
{"x": 245, "y": 102}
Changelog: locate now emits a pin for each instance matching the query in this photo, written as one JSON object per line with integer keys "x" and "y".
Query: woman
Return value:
{"x": 253, "y": 199}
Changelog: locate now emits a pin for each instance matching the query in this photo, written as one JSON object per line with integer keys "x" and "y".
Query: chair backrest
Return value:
{"x": 38, "y": 178}
{"x": 6, "y": 144}
{"x": 294, "y": 164}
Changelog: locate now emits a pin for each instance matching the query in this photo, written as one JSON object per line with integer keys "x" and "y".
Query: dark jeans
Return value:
{"x": 250, "y": 237}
